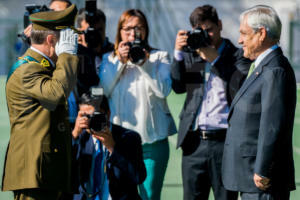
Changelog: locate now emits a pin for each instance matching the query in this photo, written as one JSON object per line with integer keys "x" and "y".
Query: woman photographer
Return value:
{"x": 137, "y": 86}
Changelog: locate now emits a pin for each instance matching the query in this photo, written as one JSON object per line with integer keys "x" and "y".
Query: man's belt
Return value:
{"x": 218, "y": 134}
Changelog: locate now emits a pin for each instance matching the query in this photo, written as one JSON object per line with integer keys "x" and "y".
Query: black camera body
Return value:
{"x": 31, "y": 9}
{"x": 197, "y": 38}
{"x": 137, "y": 47}
{"x": 136, "y": 52}
{"x": 92, "y": 37}
{"x": 97, "y": 121}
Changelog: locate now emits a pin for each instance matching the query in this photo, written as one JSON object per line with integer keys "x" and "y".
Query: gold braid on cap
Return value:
{"x": 71, "y": 27}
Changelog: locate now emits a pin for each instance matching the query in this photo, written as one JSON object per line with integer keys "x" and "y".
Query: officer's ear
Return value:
{"x": 51, "y": 40}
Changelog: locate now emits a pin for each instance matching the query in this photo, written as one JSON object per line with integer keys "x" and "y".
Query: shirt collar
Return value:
{"x": 39, "y": 52}
{"x": 264, "y": 54}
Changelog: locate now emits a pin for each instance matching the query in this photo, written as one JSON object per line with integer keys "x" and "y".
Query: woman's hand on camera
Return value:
{"x": 105, "y": 136}
{"x": 82, "y": 122}
{"x": 123, "y": 51}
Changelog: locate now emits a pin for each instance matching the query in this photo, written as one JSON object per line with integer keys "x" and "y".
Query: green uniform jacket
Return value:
{"x": 39, "y": 150}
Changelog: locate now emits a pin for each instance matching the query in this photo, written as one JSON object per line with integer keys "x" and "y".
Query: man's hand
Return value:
{"x": 68, "y": 42}
{"x": 105, "y": 136}
{"x": 262, "y": 183}
{"x": 181, "y": 40}
{"x": 82, "y": 122}
{"x": 81, "y": 40}
{"x": 208, "y": 53}
{"x": 27, "y": 30}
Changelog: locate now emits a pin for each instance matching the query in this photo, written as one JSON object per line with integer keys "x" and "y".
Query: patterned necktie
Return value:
{"x": 252, "y": 67}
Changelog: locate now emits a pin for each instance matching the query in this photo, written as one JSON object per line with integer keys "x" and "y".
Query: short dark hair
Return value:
{"x": 39, "y": 36}
{"x": 88, "y": 99}
{"x": 203, "y": 13}
{"x": 100, "y": 16}
{"x": 66, "y": 1}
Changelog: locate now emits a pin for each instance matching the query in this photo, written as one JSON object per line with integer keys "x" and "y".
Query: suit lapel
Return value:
{"x": 255, "y": 74}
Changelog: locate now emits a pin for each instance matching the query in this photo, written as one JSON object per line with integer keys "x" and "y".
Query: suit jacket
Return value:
{"x": 39, "y": 150}
{"x": 188, "y": 76}
{"x": 125, "y": 166}
{"x": 259, "y": 137}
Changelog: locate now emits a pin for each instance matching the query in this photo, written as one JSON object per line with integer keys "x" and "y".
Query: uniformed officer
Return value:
{"x": 38, "y": 158}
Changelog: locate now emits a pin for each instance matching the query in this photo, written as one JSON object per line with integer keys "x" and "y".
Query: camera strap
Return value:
{"x": 21, "y": 61}
{"x": 118, "y": 76}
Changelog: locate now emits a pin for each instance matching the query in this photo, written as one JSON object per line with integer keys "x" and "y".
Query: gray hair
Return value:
{"x": 263, "y": 16}
{"x": 39, "y": 36}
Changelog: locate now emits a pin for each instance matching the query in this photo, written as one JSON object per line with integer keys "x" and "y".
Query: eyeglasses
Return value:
{"x": 130, "y": 28}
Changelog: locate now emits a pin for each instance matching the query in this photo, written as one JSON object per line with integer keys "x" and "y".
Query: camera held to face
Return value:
{"x": 31, "y": 9}
{"x": 137, "y": 53}
{"x": 97, "y": 121}
{"x": 92, "y": 36}
{"x": 197, "y": 38}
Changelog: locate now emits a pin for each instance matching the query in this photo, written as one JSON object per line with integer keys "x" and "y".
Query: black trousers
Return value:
{"x": 36, "y": 194}
{"x": 201, "y": 169}
{"x": 275, "y": 195}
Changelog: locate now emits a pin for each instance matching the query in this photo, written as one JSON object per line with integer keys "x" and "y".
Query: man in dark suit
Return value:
{"x": 210, "y": 76}
{"x": 258, "y": 153}
{"x": 108, "y": 162}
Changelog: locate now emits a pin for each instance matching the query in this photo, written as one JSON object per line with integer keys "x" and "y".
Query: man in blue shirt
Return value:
{"x": 210, "y": 75}
{"x": 109, "y": 163}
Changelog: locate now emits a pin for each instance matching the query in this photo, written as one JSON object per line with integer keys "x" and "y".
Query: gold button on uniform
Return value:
{"x": 55, "y": 150}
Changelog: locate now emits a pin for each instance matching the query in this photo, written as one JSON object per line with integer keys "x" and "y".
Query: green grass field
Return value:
{"x": 172, "y": 189}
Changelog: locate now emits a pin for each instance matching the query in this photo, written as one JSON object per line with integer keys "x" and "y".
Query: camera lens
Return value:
{"x": 98, "y": 121}
{"x": 137, "y": 54}
{"x": 197, "y": 38}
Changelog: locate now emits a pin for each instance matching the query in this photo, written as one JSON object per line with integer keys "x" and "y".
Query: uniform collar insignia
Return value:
{"x": 45, "y": 63}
